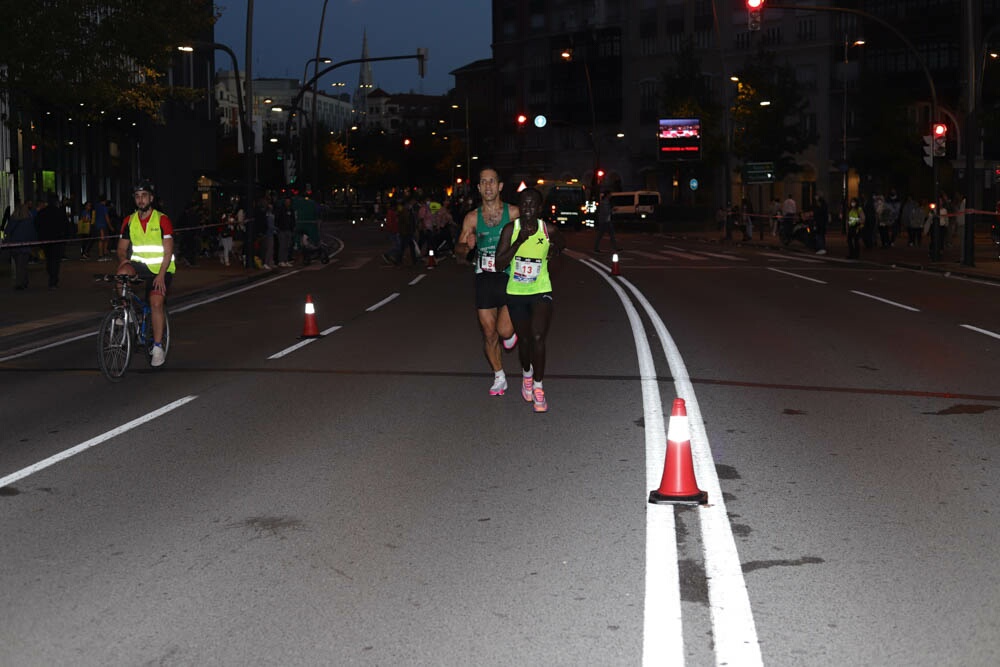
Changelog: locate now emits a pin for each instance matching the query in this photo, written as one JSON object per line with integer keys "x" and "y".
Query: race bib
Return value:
{"x": 526, "y": 270}
{"x": 488, "y": 262}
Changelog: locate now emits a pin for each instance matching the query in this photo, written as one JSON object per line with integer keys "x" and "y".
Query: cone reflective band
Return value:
{"x": 310, "y": 308}
{"x": 678, "y": 486}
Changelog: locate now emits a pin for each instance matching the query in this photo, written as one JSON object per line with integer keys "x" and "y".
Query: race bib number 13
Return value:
{"x": 526, "y": 270}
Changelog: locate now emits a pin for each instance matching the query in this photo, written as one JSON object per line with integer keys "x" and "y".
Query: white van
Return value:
{"x": 634, "y": 206}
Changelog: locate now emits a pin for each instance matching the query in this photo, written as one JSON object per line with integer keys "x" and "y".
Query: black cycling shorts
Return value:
{"x": 491, "y": 290}
{"x": 142, "y": 271}
{"x": 522, "y": 306}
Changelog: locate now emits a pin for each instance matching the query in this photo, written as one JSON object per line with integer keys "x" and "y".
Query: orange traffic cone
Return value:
{"x": 431, "y": 262}
{"x": 678, "y": 486}
{"x": 309, "y": 328}
{"x": 614, "y": 265}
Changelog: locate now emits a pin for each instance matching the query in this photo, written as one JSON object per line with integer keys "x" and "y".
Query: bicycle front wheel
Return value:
{"x": 114, "y": 345}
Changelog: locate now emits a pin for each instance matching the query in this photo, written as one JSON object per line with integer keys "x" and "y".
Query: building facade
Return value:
{"x": 594, "y": 70}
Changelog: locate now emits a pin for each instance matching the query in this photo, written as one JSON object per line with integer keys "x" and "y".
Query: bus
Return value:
{"x": 565, "y": 204}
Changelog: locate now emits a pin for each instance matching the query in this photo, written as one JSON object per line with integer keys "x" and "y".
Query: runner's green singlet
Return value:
{"x": 487, "y": 239}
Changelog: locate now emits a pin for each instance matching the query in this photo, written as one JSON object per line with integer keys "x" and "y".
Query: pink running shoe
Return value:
{"x": 509, "y": 343}
{"x": 499, "y": 387}
{"x": 526, "y": 384}
{"x": 540, "y": 404}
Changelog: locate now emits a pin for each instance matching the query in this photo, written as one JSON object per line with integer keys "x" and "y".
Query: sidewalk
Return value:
{"x": 987, "y": 264}
{"x": 38, "y": 314}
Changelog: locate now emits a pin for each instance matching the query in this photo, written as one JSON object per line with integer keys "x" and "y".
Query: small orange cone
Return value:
{"x": 309, "y": 328}
{"x": 678, "y": 486}
{"x": 614, "y": 265}
{"x": 431, "y": 262}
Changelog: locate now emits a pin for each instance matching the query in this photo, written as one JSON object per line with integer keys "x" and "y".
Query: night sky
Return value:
{"x": 455, "y": 32}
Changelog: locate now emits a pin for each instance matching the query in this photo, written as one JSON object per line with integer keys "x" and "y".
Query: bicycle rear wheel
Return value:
{"x": 166, "y": 337}
{"x": 114, "y": 345}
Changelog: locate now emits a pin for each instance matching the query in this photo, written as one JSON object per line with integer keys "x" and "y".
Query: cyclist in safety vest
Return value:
{"x": 151, "y": 236}
{"x": 525, "y": 246}
{"x": 477, "y": 242}
{"x": 855, "y": 223}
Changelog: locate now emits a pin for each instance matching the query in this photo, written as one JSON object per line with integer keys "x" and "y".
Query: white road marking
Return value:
{"x": 794, "y": 258}
{"x": 663, "y": 634}
{"x": 302, "y": 343}
{"x": 965, "y": 326}
{"x": 733, "y": 629}
{"x": 83, "y": 446}
{"x": 226, "y": 295}
{"x": 46, "y": 347}
{"x": 891, "y": 303}
{"x": 381, "y": 303}
{"x": 733, "y": 258}
{"x": 418, "y": 279}
{"x": 795, "y": 275}
{"x": 683, "y": 255}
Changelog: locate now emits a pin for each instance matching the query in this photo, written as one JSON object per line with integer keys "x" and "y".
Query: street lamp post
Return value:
{"x": 843, "y": 145}
{"x": 245, "y": 128}
{"x": 319, "y": 44}
{"x": 567, "y": 55}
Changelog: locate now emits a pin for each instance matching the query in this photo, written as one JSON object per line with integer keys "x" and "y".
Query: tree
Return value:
{"x": 337, "y": 163}
{"x": 774, "y": 133}
{"x": 94, "y": 55}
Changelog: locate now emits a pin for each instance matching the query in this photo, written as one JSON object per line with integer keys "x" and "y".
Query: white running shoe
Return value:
{"x": 509, "y": 343}
{"x": 159, "y": 356}
{"x": 499, "y": 387}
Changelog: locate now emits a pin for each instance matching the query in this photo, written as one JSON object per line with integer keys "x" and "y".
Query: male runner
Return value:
{"x": 481, "y": 232}
{"x": 150, "y": 233}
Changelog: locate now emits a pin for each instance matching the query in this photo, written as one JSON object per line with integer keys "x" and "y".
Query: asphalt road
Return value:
{"x": 360, "y": 499}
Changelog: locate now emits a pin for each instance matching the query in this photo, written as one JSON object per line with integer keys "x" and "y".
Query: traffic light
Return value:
{"x": 406, "y": 141}
{"x": 754, "y": 9}
{"x": 522, "y": 119}
{"x": 600, "y": 175}
{"x": 929, "y": 150}
{"x": 940, "y": 132}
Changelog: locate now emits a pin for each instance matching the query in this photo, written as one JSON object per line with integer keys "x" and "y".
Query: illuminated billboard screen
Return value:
{"x": 679, "y": 139}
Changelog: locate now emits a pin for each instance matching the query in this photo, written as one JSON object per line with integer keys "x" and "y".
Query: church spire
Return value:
{"x": 366, "y": 82}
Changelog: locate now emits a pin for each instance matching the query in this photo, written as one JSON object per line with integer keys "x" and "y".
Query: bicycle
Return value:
{"x": 129, "y": 324}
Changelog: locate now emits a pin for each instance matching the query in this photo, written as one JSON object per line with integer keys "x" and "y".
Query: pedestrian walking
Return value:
{"x": 19, "y": 232}
{"x": 605, "y": 223}
{"x": 54, "y": 229}
{"x": 821, "y": 219}
{"x": 855, "y": 225}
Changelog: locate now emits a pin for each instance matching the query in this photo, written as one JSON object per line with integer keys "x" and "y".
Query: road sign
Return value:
{"x": 758, "y": 172}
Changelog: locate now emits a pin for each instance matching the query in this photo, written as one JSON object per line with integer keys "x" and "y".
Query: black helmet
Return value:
{"x": 144, "y": 185}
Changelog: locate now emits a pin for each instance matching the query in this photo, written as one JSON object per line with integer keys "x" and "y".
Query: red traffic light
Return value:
{"x": 940, "y": 129}
{"x": 755, "y": 4}
{"x": 521, "y": 119}
{"x": 406, "y": 141}
{"x": 600, "y": 173}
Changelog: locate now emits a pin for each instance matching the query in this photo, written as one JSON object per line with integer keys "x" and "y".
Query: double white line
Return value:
{"x": 734, "y": 632}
